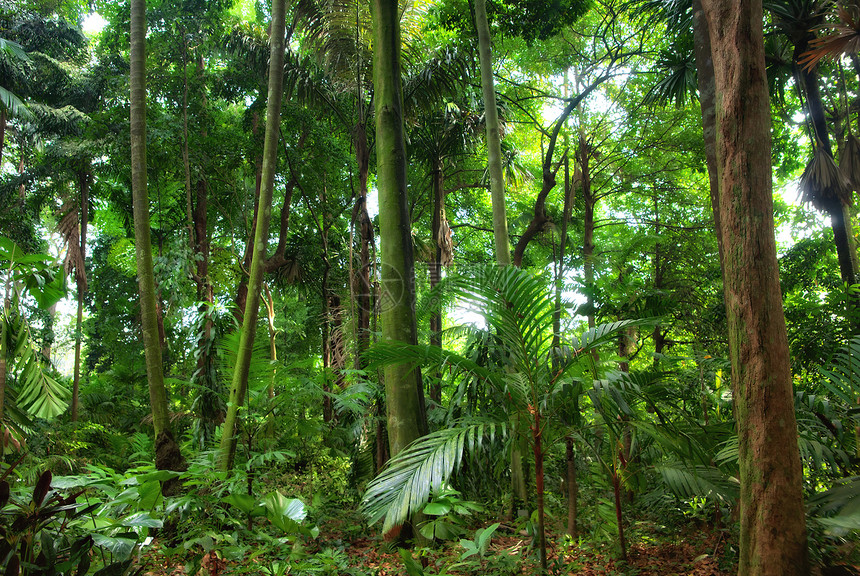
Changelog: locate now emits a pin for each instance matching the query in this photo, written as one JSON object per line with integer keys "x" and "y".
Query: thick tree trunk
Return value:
{"x": 239, "y": 385}
{"x": 494, "y": 139}
{"x": 773, "y": 521}
{"x": 84, "y": 179}
{"x": 167, "y": 455}
{"x": 404, "y": 396}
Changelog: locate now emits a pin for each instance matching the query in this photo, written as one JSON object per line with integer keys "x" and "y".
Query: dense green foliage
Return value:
{"x": 598, "y": 370}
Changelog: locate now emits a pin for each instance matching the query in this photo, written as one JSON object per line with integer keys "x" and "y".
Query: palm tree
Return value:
{"x": 537, "y": 380}
{"x": 494, "y": 140}
{"x": 167, "y": 456}
{"x": 239, "y": 386}
{"x": 404, "y": 394}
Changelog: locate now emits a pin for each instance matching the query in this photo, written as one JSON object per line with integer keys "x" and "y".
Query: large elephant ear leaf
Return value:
{"x": 405, "y": 485}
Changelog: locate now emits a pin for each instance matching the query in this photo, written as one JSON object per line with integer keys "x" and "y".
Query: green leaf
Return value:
{"x": 244, "y": 502}
{"x": 141, "y": 519}
{"x": 437, "y": 508}
{"x": 285, "y": 513}
{"x": 424, "y": 466}
{"x": 120, "y": 548}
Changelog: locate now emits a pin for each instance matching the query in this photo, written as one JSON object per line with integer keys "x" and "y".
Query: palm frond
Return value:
{"x": 699, "y": 482}
{"x": 822, "y": 179}
{"x": 39, "y": 394}
{"x": 839, "y": 507}
{"x": 15, "y": 106}
{"x": 849, "y": 160}
{"x": 420, "y": 469}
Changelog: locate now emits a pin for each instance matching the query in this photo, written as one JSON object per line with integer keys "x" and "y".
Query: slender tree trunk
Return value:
{"x": 239, "y": 385}
{"x": 619, "y": 518}
{"x": 537, "y": 445}
{"x": 80, "y": 275}
{"x": 361, "y": 284}
{"x": 167, "y": 454}
{"x": 840, "y": 216}
{"x": 588, "y": 237}
{"x": 404, "y": 396}
{"x": 773, "y": 521}
{"x": 707, "y": 102}
{"x": 494, "y": 139}
{"x": 2, "y": 130}
{"x": 435, "y": 272}
{"x": 572, "y": 489}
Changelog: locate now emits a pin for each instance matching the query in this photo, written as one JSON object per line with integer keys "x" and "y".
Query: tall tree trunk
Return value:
{"x": 239, "y": 385}
{"x": 361, "y": 284}
{"x": 435, "y": 272}
{"x": 590, "y": 203}
{"x": 84, "y": 179}
{"x": 572, "y": 489}
{"x": 494, "y": 139}
{"x": 167, "y": 454}
{"x": 840, "y": 215}
{"x": 707, "y": 102}
{"x": 404, "y": 396}
{"x": 773, "y": 522}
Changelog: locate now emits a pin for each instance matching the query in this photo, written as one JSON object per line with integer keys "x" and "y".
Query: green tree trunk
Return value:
{"x": 167, "y": 454}
{"x": 773, "y": 523}
{"x": 494, "y": 140}
{"x": 404, "y": 397}
{"x": 239, "y": 386}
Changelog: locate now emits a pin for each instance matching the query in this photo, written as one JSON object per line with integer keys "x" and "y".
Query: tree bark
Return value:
{"x": 361, "y": 284}
{"x": 494, "y": 139}
{"x": 239, "y": 385}
{"x": 435, "y": 271}
{"x": 707, "y": 102}
{"x": 773, "y": 523}
{"x": 84, "y": 179}
{"x": 404, "y": 397}
{"x": 167, "y": 454}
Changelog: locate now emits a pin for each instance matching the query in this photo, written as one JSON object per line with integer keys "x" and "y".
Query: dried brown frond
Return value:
{"x": 845, "y": 38}
{"x": 445, "y": 243}
{"x": 68, "y": 227}
{"x": 822, "y": 180}
{"x": 849, "y": 161}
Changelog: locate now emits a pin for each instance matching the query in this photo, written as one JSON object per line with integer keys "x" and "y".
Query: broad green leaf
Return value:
{"x": 120, "y": 548}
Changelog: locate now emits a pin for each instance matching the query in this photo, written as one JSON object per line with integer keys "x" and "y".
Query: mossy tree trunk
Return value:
{"x": 167, "y": 454}
{"x": 239, "y": 386}
{"x": 404, "y": 397}
{"x": 773, "y": 522}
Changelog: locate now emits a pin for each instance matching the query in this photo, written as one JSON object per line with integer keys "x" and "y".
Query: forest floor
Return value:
{"x": 697, "y": 552}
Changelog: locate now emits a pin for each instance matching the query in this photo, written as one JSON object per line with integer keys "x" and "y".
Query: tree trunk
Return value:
{"x": 435, "y": 271}
{"x": 361, "y": 284}
{"x": 707, "y": 102}
{"x": 239, "y": 385}
{"x": 167, "y": 454}
{"x": 494, "y": 139}
{"x": 80, "y": 275}
{"x": 572, "y": 489}
{"x": 773, "y": 522}
{"x": 404, "y": 397}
